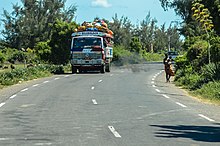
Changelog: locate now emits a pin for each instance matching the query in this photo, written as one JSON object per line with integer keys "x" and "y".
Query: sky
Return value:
{"x": 135, "y": 10}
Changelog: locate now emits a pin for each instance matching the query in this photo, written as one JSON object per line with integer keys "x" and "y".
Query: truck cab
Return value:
{"x": 90, "y": 51}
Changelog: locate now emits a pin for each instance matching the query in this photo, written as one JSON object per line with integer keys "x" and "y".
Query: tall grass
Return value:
{"x": 210, "y": 91}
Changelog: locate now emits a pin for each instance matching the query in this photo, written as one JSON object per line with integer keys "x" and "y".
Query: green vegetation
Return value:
{"x": 24, "y": 74}
{"x": 210, "y": 91}
{"x": 198, "y": 69}
{"x": 145, "y": 38}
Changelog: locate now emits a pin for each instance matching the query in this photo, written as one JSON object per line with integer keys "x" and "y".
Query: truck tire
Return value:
{"x": 108, "y": 67}
{"x": 102, "y": 69}
{"x": 74, "y": 70}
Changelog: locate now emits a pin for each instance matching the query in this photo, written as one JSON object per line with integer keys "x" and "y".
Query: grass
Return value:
{"x": 210, "y": 92}
{"x": 14, "y": 76}
{"x": 9, "y": 69}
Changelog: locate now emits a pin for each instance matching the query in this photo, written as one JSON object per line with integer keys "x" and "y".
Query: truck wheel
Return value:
{"x": 108, "y": 66}
{"x": 103, "y": 69}
{"x": 74, "y": 70}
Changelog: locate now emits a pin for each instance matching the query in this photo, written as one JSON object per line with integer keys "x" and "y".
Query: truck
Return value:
{"x": 92, "y": 48}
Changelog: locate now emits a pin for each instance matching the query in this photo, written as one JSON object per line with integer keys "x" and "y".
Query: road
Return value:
{"x": 131, "y": 106}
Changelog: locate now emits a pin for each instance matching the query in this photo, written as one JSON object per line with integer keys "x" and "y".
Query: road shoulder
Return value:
{"x": 182, "y": 95}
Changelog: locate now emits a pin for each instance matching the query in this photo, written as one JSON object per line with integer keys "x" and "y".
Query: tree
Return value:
{"x": 135, "y": 45}
{"x": 184, "y": 9}
{"x": 181, "y": 7}
{"x": 146, "y": 32}
{"x": 31, "y": 22}
{"x": 173, "y": 38}
{"x": 61, "y": 41}
{"x": 43, "y": 51}
{"x": 161, "y": 39}
{"x": 202, "y": 15}
{"x": 122, "y": 29}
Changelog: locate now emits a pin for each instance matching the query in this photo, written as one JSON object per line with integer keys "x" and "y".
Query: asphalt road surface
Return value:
{"x": 131, "y": 106}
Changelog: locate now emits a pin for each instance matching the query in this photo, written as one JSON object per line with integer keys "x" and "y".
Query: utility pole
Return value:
{"x": 169, "y": 39}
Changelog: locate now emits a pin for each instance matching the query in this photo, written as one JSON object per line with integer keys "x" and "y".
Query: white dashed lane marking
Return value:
{"x": 13, "y": 96}
{"x": 207, "y": 118}
{"x": 24, "y": 90}
{"x": 165, "y": 96}
{"x": 157, "y": 90}
{"x": 93, "y": 88}
{"x": 116, "y": 134}
{"x": 100, "y": 81}
{"x": 180, "y": 104}
{"x": 154, "y": 86}
{"x": 1, "y": 104}
{"x": 46, "y": 82}
{"x": 35, "y": 85}
{"x": 56, "y": 78}
{"x": 94, "y": 102}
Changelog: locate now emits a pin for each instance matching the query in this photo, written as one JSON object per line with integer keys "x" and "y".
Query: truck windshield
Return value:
{"x": 87, "y": 42}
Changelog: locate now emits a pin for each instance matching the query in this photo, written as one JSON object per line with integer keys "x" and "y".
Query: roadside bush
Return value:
{"x": 152, "y": 56}
{"x": 194, "y": 82}
{"x": 121, "y": 55}
{"x": 210, "y": 91}
{"x": 215, "y": 49}
{"x": 181, "y": 62}
{"x": 181, "y": 72}
{"x": 189, "y": 79}
{"x": 211, "y": 72}
{"x": 43, "y": 51}
{"x": 24, "y": 74}
{"x": 57, "y": 69}
{"x": 2, "y": 58}
{"x": 198, "y": 54}
{"x": 19, "y": 56}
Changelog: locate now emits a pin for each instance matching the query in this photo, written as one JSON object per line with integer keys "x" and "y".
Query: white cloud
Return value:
{"x": 101, "y": 3}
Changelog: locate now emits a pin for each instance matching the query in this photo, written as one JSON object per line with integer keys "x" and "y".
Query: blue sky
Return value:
{"x": 135, "y": 10}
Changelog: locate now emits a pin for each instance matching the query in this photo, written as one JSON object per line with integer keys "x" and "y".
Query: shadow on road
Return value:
{"x": 197, "y": 133}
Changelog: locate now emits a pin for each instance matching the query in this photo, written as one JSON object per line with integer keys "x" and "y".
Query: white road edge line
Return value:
{"x": 116, "y": 134}
{"x": 35, "y": 85}
{"x": 165, "y": 96}
{"x": 100, "y": 81}
{"x": 93, "y": 88}
{"x": 182, "y": 105}
{"x": 157, "y": 90}
{"x": 207, "y": 118}
{"x": 13, "y": 96}
{"x": 24, "y": 90}
{"x": 1, "y": 104}
{"x": 94, "y": 102}
{"x": 66, "y": 76}
{"x": 111, "y": 75}
{"x": 46, "y": 82}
